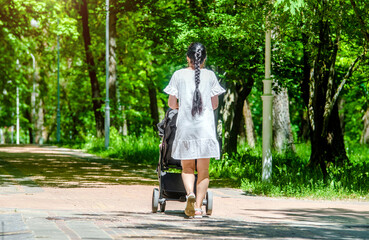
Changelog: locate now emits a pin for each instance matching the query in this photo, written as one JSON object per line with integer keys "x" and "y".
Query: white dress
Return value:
{"x": 195, "y": 136}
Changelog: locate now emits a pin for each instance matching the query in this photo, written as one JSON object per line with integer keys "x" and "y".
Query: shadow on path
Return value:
{"x": 35, "y": 166}
{"x": 173, "y": 225}
{"x": 347, "y": 217}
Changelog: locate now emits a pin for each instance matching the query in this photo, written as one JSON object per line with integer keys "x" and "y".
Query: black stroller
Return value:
{"x": 171, "y": 187}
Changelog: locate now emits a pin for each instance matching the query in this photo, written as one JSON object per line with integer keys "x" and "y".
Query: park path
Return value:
{"x": 55, "y": 193}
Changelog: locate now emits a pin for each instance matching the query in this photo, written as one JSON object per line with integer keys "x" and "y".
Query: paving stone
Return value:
{"x": 42, "y": 227}
{"x": 12, "y": 227}
{"x": 87, "y": 230}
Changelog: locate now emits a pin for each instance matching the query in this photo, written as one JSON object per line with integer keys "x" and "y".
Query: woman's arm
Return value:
{"x": 173, "y": 102}
{"x": 215, "y": 102}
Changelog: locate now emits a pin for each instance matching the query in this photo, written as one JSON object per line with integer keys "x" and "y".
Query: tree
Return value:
{"x": 95, "y": 87}
{"x": 249, "y": 125}
{"x": 324, "y": 26}
{"x": 365, "y": 135}
{"x": 362, "y": 16}
{"x": 282, "y": 132}
{"x": 113, "y": 18}
{"x": 19, "y": 20}
{"x": 118, "y": 9}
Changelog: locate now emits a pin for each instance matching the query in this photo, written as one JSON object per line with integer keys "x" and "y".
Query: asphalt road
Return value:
{"x": 53, "y": 193}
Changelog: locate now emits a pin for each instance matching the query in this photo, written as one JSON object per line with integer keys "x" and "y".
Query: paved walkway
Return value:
{"x": 54, "y": 193}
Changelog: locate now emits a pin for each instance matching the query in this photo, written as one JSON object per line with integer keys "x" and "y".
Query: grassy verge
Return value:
{"x": 290, "y": 177}
{"x": 143, "y": 149}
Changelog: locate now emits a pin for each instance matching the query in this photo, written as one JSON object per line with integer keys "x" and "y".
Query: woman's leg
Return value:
{"x": 202, "y": 180}
{"x": 188, "y": 175}
{"x": 188, "y": 178}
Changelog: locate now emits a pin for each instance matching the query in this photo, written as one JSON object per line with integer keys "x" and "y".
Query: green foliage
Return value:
{"x": 293, "y": 6}
{"x": 142, "y": 149}
{"x": 292, "y": 178}
{"x": 237, "y": 166}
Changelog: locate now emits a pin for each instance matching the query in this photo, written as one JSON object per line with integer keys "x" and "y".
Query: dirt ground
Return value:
{"x": 85, "y": 197}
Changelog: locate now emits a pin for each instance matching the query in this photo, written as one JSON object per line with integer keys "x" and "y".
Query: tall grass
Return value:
{"x": 143, "y": 149}
{"x": 290, "y": 177}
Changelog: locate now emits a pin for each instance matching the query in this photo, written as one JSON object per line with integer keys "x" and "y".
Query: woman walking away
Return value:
{"x": 194, "y": 91}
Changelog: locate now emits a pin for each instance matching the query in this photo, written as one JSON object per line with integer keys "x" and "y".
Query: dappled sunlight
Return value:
{"x": 32, "y": 167}
{"x": 160, "y": 226}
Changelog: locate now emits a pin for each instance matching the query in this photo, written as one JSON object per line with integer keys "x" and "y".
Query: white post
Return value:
{"x": 17, "y": 107}
{"x": 33, "y": 99}
{"x": 267, "y": 110}
{"x": 1, "y": 136}
{"x": 17, "y": 115}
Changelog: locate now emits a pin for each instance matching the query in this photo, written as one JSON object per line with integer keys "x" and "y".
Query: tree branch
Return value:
{"x": 347, "y": 76}
{"x": 311, "y": 96}
{"x": 328, "y": 110}
{"x": 332, "y": 72}
{"x": 361, "y": 21}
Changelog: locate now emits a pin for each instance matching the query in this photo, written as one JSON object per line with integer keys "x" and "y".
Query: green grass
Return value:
{"x": 290, "y": 178}
{"x": 143, "y": 149}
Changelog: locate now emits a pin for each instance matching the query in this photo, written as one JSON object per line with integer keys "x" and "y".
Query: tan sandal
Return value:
{"x": 190, "y": 205}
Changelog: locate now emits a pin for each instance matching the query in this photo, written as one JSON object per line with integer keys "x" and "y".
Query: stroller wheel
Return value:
{"x": 209, "y": 203}
{"x": 162, "y": 206}
{"x": 155, "y": 200}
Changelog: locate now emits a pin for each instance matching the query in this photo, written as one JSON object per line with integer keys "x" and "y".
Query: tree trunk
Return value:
{"x": 242, "y": 130}
{"x": 112, "y": 62}
{"x": 38, "y": 118}
{"x": 228, "y": 113}
{"x": 30, "y": 129}
{"x": 28, "y": 114}
{"x": 123, "y": 129}
{"x": 341, "y": 104}
{"x": 153, "y": 107}
{"x": 330, "y": 147}
{"x": 39, "y": 125}
{"x": 304, "y": 129}
{"x": 365, "y": 136}
{"x": 250, "y": 130}
{"x": 96, "y": 96}
{"x": 327, "y": 143}
{"x": 282, "y": 131}
{"x": 232, "y": 112}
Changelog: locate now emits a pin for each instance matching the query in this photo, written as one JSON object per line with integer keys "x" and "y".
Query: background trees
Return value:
{"x": 319, "y": 61}
{"x": 327, "y": 35}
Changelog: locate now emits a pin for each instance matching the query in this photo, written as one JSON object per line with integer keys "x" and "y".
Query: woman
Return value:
{"x": 194, "y": 91}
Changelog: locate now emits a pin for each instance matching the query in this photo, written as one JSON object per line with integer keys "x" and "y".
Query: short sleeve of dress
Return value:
{"x": 216, "y": 89}
{"x": 172, "y": 88}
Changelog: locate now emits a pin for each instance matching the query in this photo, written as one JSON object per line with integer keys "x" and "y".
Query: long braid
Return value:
{"x": 197, "y": 100}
